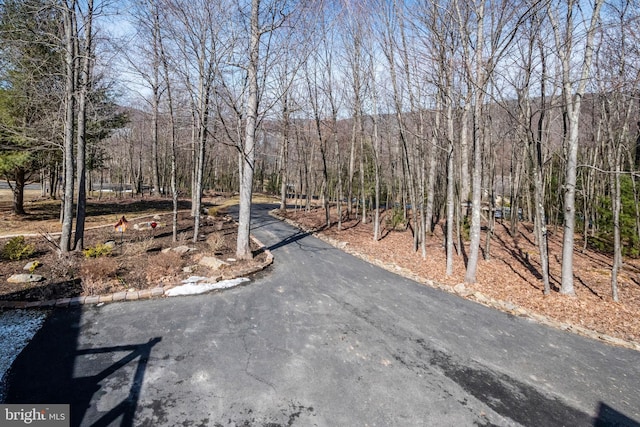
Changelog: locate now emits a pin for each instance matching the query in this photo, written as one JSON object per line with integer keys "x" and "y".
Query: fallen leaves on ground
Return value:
{"x": 511, "y": 272}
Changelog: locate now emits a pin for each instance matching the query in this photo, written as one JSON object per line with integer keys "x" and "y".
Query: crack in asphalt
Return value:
{"x": 246, "y": 366}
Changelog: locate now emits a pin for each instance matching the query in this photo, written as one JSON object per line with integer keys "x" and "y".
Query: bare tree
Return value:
{"x": 243, "y": 248}
{"x": 70, "y": 57}
{"x": 84, "y": 83}
{"x": 480, "y": 57}
{"x": 573, "y": 90}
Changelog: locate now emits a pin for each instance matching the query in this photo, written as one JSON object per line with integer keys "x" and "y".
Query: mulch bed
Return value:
{"x": 136, "y": 263}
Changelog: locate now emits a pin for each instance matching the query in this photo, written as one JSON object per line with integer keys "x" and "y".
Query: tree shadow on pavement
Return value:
{"x": 607, "y": 416}
{"x": 52, "y": 369}
{"x": 290, "y": 239}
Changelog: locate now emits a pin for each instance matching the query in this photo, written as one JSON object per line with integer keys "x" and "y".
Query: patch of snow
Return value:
{"x": 194, "y": 279}
{"x": 195, "y": 288}
{"x": 17, "y": 327}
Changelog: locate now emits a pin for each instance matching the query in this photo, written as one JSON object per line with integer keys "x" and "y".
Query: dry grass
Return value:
{"x": 216, "y": 241}
{"x": 138, "y": 248}
{"x": 99, "y": 275}
{"x": 163, "y": 267}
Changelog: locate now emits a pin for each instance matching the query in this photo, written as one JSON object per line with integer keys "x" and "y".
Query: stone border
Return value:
{"x": 463, "y": 292}
{"x": 126, "y": 295}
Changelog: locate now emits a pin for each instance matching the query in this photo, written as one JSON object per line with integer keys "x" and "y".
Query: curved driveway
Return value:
{"x": 321, "y": 338}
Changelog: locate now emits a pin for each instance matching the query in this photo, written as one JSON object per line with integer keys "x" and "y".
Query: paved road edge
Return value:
{"x": 461, "y": 291}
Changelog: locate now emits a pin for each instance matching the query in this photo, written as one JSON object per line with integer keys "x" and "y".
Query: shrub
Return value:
{"x": 216, "y": 241}
{"x": 465, "y": 229}
{"x": 396, "y": 219}
{"x": 98, "y": 275}
{"x": 164, "y": 265}
{"x": 66, "y": 266}
{"x": 97, "y": 251}
{"x": 137, "y": 248}
{"x": 17, "y": 249}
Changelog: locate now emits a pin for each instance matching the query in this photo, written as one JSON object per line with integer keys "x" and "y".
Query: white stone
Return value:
{"x": 31, "y": 266}
{"x": 183, "y": 249}
{"x": 25, "y": 278}
{"x": 212, "y": 262}
{"x": 142, "y": 226}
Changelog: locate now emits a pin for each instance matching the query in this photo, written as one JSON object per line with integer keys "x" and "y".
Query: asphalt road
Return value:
{"x": 321, "y": 339}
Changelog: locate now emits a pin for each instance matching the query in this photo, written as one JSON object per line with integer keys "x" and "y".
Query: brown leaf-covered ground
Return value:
{"x": 137, "y": 261}
{"x": 511, "y": 274}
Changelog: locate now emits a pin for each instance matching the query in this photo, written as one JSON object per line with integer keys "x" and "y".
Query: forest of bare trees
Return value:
{"x": 445, "y": 114}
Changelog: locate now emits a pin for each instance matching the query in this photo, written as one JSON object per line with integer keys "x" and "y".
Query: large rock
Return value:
{"x": 180, "y": 249}
{"x": 31, "y": 266}
{"x": 142, "y": 226}
{"x": 25, "y": 278}
{"x": 212, "y": 262}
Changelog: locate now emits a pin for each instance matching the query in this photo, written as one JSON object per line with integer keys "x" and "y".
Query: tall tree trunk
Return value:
{"x": 538, "y": 181}
{"x": 69, "y": 122}
{"x": 284, "y": 151}
{"x": 450, "y": 182}
{"x": 572, "y": 100}
{"x": 617, "y": 207}
{"x": 84, "y": 86}
{"x": 478, "y": 142}
{"x": 155, "y": 105}
{"x": 376, "y": 161}
{"x": 243, "y": 249}
{"x": 172, "y": 121}
{"x": 202, "y": 142}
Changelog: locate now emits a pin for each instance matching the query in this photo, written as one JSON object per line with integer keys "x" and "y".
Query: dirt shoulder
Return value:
{"x": 508, "y": 280}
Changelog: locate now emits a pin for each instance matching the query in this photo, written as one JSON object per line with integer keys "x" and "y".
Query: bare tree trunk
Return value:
{"x": 334, "y": 126}
{"x": 84, "y": 86}
{"x": 284, "y": 150}
{"x": 18, "y": 191}
{"x": 450, "y": 182}
{"x": 478, "y": 141}
{"x": 538, "y": 173}
{"x": 617, "y": 207}
{"x": 172, "y": 122}
{"x": 70, "y": 60}
{"x": 433, "y": 163}
{"x": 465, "y": 178}
{"x": 202, "y": 142}
{"x": 362, "y": 186}
{"x": 243, "y": 249}
{"x": 155, "y": 105}
{"x": 572, "y": 99}
{"x": 352, "y": 167}
{"x": 376, "y": 153}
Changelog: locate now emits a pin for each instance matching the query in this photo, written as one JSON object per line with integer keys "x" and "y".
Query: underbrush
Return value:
{"x": 99, "y": 275}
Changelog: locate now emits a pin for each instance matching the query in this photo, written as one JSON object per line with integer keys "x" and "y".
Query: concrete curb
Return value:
{"x": 461, "y": 291}
{"x": 127, "y": 295}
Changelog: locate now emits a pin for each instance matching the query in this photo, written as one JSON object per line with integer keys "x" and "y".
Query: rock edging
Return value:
{"x": 126, "y": 295}
{"x": 463, "y": 292}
